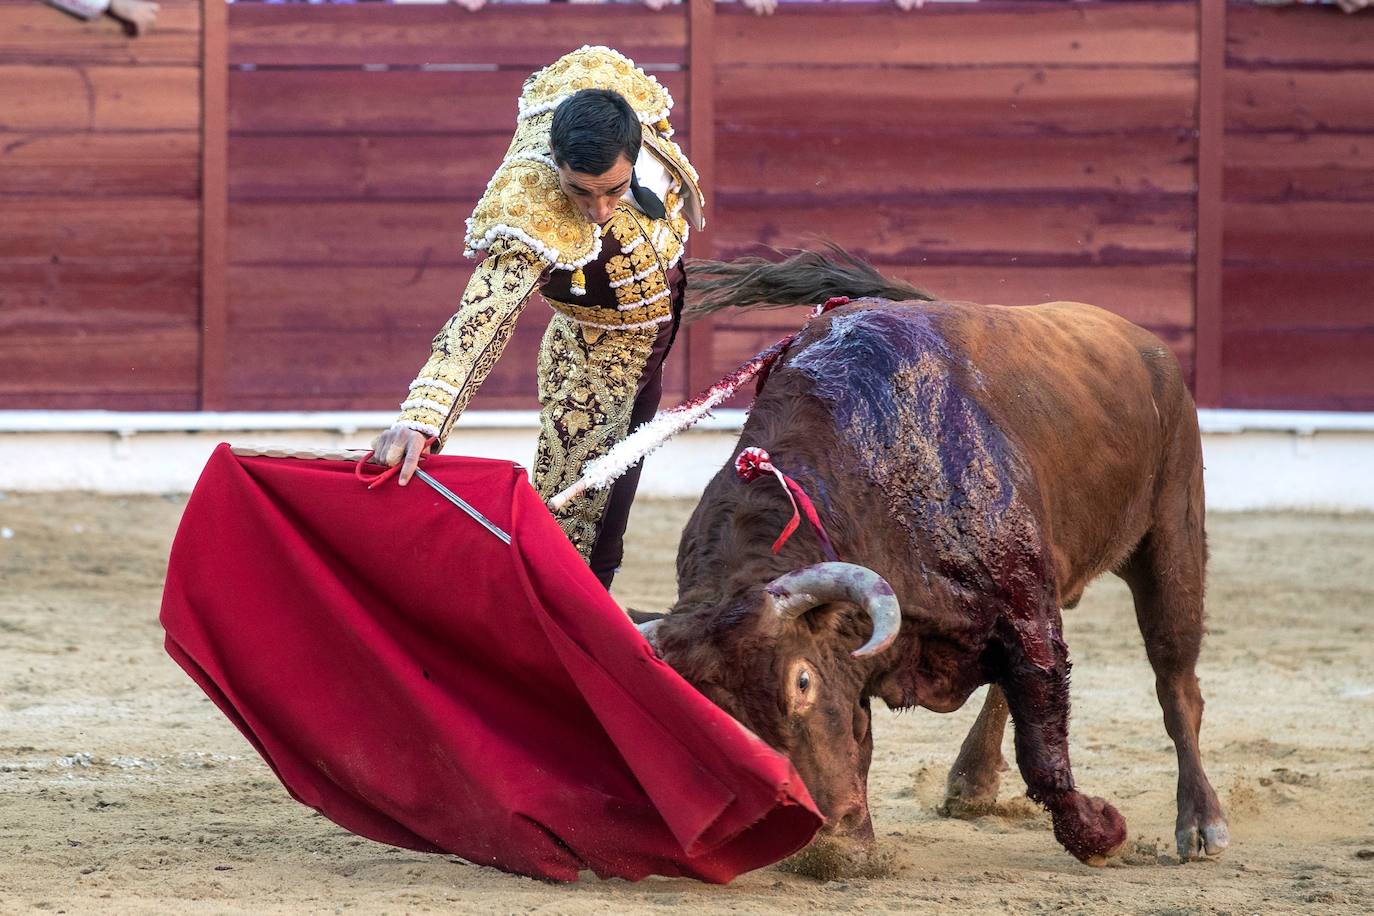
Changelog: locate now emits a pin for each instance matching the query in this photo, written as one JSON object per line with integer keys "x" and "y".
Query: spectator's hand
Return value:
{"x": 400, "y": 443}
{"x": 139, "y": 14}
{"x": 471, "y": 6}
{"x": 905, "y": 5}
{"x": 762, "y": 7}
{"x": 657, "y": 4}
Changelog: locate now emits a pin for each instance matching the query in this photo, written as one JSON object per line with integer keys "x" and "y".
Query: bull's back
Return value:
{"x": 991, "y": 425}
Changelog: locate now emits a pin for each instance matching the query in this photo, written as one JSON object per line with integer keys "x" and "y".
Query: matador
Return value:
{"x": 591, "y": 206}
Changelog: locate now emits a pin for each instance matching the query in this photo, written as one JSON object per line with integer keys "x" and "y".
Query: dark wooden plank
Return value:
{"x": 116, "y": 360}
{"x": 406, "y": 300}
{"x": 341, "y": 233}
{"x": 1302, "y": 232}
{"x": 1279, "y": 167}
{"x": 699, "y": 339}
{"x": 1014, "y": 33}
{"x": 368, "y": 368}
{"x": 174, "y": 399}
{"x": 106, "y": 227}
{"x": 1211, "y": 134}
{"x": 1299, "y": 100}
{"x": 813, "y": 159}
{"x": 34, "y": 33}
{"x": 214, "y": 212}
{"x": 362, "y": 166}
{"x": 1299, "y": 370}
{"x": 405, "y": 101}
{"x": 38, "y": 98}
{"x": 1299, "y": 297}
{"x": 1154, "y": 296}
{"x": 1001, "y": 100}
{"x": 104, "y": 294}
{"x": 101, "y": 164}
{"x": 1034, "y": 230}
{"x": 512, "y": 36}
{"x": 1287, "y": 37}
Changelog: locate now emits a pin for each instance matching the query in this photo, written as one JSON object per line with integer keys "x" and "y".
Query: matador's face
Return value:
{"x": 596, "y": 196}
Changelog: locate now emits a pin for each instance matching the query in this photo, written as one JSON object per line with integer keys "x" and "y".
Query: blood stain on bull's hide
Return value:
{"x": 951, "y": 478}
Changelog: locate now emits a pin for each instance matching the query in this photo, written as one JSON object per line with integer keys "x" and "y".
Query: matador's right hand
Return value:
{"x": 400, "y": 443}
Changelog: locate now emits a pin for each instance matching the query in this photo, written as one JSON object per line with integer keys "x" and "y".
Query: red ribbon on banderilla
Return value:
{"x": 753, "y": 463}
{"x": 629, "y": 451}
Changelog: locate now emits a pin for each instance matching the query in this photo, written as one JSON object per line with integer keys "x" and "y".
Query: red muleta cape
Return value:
{"x": 420, "y": 683}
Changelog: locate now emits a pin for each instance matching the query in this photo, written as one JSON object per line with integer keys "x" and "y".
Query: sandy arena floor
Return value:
{"x": 122, "y": 789}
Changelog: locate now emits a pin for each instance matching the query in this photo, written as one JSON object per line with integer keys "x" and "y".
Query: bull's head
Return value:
{"x": 781, "y": 659}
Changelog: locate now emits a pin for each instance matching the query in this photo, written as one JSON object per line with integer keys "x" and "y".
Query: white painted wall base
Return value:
{"x": 1254, "y": 459}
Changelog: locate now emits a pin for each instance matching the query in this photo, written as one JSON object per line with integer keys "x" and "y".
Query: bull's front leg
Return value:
{"x": 1038, "y": 697}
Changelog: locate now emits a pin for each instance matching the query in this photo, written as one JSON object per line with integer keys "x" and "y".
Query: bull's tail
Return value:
{"x": 805, "y": 278}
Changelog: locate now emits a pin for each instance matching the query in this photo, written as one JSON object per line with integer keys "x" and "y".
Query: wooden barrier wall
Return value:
{"x": 1006, "y": 152}
{"x": 1298, "y": 270}
{"x": 99, "y": 210}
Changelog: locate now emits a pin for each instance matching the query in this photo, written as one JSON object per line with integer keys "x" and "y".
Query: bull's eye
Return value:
{"x": 803, "y": 680}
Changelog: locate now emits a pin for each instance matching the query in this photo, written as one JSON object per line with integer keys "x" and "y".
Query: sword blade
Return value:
{"x": 463, "y": 504}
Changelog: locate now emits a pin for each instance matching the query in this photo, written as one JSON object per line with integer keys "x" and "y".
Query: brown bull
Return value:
{"x": 977, "y": 466}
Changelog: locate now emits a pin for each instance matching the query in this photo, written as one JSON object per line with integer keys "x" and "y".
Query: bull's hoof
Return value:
{"x": 833, "y": 858}
{"x": 1196, "y": 843}
{"x": 1089, "y": 828}
{"x": 967, "y": 798}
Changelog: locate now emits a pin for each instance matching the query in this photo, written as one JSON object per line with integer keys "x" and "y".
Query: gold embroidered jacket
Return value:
{"x": 529, "y": 234}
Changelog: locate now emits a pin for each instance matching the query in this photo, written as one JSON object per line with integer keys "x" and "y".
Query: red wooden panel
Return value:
{"x": 1002, "y": 100}
{"x": 100, "y": 294}
{"x": 329, "y": 167}
{"x": 1155, "y": 296}
{"x": 99, "y": 98}
{"x": 1301, "y": 297}
{"x": 1037, "y": 230}
{"x": 1299, "y": 100}
{"x": 1281, "y": 167}
{"x": 406, "y": 300}
{"x": 39, "y": 368}
{"x": 522, "y": 37}
{"x": 820, "y": 161}
{"x": 114, "y": 227}
{"x": 367, "y": 369}
{"x": 1014, "y": 33}
{"x": 306, "y": 101}
{"x": 214, "y": 206}
{"x": 1298, "y": 369}
{"x": 1301, "y": 232}
{"x": 34, "y": 33}
{"x": 175, "y": 399}
{"x": 161, "y": 163}
{"x": 354, "y": 232}
{"x": 1268, "y": 37}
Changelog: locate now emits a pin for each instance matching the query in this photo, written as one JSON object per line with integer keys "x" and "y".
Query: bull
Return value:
{"x": 976, "y": 466}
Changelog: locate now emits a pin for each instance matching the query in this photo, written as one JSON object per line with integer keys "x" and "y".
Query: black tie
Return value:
{"x": 648, "y": 201}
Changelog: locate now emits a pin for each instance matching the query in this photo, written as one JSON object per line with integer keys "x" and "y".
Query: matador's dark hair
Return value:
{"x": 591, "y": 128}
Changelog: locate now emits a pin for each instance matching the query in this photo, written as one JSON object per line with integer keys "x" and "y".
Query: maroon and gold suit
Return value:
{"x": 616, "y": 292}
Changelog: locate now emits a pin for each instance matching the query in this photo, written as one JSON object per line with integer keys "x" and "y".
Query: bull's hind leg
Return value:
{"x": 1165, "y": 574}
{"x": 1038, "y": 696}
{"x": 971, "y": 789}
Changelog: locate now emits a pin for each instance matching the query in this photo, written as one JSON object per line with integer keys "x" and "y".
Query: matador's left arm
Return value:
{"x": 468, "y": 345}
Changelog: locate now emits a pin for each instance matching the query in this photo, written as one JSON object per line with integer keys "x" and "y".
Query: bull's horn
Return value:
{"x": 648, "y": 629}
{"x": 793, "y": 594}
